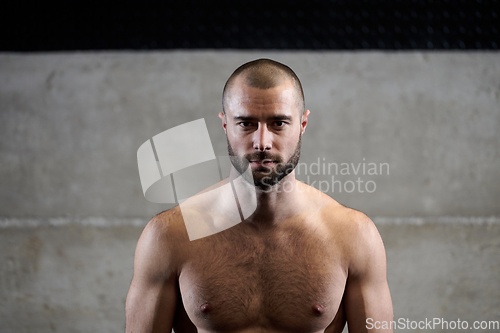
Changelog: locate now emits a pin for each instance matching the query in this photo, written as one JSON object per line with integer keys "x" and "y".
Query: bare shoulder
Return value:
{"x": 332, "y": 212}
{"x": 169, "y": 223}
{"x": 164, "y": 240}
{"x": 359, "y": 238}
{"x": 167, "y": 226}
{"x": 351, "y": 229}
{"x": 335, "y": 215}
{"x": 351, "y": 221}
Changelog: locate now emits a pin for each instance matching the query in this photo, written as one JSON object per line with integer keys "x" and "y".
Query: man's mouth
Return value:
{"x": 262, "y": 162}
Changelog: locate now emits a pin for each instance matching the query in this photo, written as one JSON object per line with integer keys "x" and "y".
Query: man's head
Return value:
{"x": 264, "y": 119}
{"x": 264, "y": 74}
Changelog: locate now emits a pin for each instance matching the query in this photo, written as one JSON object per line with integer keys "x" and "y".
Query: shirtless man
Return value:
{"x": 300, "y": 263}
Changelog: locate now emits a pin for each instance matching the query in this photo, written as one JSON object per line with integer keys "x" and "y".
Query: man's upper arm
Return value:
{"x": 367, "y": 298}
{"x": 152, "y": 297}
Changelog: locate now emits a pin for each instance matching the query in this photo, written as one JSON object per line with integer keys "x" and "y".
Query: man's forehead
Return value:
{"x": 243, "y": 94}
{"x": 255, "y": 108}
{"x": 242, "y": 83}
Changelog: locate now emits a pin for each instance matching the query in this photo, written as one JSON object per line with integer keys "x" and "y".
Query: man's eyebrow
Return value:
{"x": 282, "y": 117}
{"x": 277, "y": 117}
{"x": 244, "y": 118}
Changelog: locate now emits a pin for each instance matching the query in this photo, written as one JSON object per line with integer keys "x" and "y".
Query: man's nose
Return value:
{"x": 262, "y": 138}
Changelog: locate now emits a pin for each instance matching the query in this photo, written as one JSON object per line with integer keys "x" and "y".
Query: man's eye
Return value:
{"x": 245, "y": 123}
{"x": 279, "y": 123}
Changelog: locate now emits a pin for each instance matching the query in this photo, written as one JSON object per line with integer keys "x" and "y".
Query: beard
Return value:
{"x": 270, "y": 176}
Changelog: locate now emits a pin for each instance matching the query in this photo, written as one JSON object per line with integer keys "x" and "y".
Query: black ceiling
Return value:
{"x": 196, "y": 24}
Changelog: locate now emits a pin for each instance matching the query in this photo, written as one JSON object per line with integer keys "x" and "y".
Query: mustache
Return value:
{"x": 263, "y": 155}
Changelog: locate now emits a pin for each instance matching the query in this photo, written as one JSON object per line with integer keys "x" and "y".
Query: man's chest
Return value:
{"x": 291, "y": 282}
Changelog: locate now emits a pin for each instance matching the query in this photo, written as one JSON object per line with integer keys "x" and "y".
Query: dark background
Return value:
{"x": 195, "y": 24}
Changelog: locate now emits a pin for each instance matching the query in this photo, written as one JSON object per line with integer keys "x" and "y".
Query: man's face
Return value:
{"x": 264, "y": 129}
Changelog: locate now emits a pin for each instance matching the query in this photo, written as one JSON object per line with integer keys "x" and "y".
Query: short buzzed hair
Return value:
{"x": 265, "y": 74}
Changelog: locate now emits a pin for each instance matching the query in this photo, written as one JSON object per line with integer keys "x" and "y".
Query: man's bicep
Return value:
{"x": 151, "y": 307}
{"x": 152, "y": 297}
{"x": 366, "y": 304}
{"x": 367, "y": 297}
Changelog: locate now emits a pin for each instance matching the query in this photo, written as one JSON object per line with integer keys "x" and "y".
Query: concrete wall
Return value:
{"x": 71, "y": 203}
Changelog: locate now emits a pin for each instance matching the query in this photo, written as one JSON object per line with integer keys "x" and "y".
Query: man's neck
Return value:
{"x": 276, "y": 203}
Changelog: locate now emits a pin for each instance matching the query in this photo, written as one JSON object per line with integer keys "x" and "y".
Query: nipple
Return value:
{"x": 205, "y": 308}
{"x": 318, "y": 309}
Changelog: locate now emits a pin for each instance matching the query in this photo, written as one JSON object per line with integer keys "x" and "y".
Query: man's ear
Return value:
{"x": 303, "y": 122}
{"x": 222, "y": 116}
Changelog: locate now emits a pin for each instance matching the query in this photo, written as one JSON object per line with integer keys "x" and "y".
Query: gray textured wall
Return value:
{"x": 71, "y": 203}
